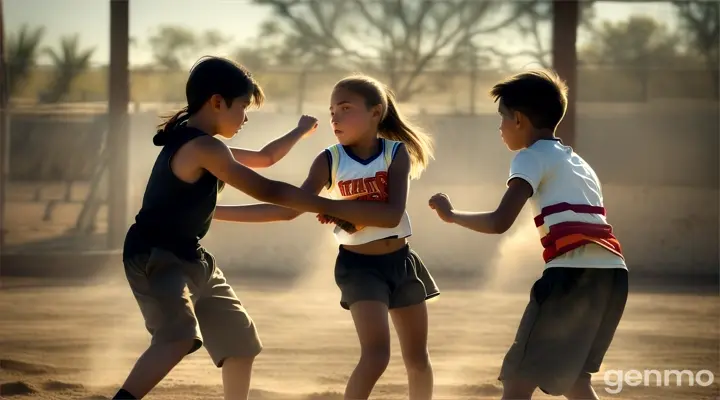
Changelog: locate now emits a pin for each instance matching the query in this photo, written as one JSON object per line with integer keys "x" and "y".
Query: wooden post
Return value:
{"x": 4, "y": 127}
{"x": 118, "y": 130}
{"x": 566, "y": 16}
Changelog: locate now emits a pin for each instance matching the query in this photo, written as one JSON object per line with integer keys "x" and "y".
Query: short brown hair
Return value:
{"x": 539, "y": 94}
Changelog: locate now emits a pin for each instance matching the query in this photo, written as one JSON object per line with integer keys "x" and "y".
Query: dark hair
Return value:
{"x": 393, "y": 125}
{"x": 210, "y": 76}
{"x": 539, "y": 94}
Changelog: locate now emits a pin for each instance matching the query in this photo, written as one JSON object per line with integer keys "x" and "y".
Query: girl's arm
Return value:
{"x": 317, "y": 178}
{"x": 370, "y": 213}
{"x": 274, "y": 151}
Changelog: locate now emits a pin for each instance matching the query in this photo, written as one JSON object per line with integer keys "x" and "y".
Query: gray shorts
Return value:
{"x": 567, "y": 327}
{"x": 190, "y": 299}
{"x": 398, "y": 279}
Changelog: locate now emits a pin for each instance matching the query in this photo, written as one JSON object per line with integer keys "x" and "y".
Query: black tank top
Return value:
{"x": 175, "y": 214}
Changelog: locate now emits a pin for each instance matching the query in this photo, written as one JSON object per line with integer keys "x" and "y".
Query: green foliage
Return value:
{"x": 639, "y": 42}
{"x": 169, "y": 44}
{"x": 69, "y": 62}
{"x": 700, "y": 21}
{"x": 173, "y": 45}
{"x": 21, "y": 54}
{"x": 636, "y": 45}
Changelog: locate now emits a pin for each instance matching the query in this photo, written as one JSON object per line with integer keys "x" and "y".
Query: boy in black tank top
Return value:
{"x": 183, "y": 296}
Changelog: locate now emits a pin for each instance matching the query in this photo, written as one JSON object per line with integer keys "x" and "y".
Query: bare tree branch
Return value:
{"x": 399, "y": 32}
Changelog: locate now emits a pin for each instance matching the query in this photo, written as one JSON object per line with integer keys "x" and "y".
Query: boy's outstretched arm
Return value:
{"x": 317, "y": 178}
{"x": 274, "y": 151}
{"x": 498, "y": 221}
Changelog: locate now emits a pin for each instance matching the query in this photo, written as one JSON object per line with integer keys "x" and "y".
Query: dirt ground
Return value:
{"x": 70, "y": 340}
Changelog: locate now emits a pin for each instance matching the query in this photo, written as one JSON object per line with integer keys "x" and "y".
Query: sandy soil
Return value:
{"x": 64, "y": 340}
{"x": 78, "y": 340}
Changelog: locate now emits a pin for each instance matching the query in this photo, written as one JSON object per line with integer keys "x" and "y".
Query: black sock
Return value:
{"x": 123, "y": 394}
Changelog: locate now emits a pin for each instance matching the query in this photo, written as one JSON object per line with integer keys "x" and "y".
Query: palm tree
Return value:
{"x": 69, "y": 62}
{"x": 22, "y": 52}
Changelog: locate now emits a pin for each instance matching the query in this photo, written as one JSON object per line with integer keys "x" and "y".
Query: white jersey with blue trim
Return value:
{"x": 352, "y": 178}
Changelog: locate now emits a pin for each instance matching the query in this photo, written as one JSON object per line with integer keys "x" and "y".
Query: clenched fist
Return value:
{"x": 307, "y": 124}
{"x": 442, "y": 206}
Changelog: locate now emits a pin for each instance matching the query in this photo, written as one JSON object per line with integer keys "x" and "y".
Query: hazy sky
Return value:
{"x": 238, "y": 18}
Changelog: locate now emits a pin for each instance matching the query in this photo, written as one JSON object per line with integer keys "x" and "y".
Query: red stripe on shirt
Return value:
{"x": 562, "y": 207}
{"x": 567, "y": 236}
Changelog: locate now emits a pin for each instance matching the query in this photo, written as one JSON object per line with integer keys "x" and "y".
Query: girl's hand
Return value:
{"x": 344, "y": 225}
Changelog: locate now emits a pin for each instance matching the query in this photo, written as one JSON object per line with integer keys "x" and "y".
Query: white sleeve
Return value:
{"x": 527, "y": 167}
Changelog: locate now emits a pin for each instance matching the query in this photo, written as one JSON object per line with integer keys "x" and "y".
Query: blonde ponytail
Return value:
{"x": 419, "y": 144}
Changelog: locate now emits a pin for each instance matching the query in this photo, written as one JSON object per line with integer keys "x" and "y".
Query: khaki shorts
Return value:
{"x": 567, "y": 327}
{"x": 190, "y": 299}
{"x": 398, "y": 279}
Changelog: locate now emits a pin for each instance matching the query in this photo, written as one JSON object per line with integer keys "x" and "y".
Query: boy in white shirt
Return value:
{"x": 577, "y": 304}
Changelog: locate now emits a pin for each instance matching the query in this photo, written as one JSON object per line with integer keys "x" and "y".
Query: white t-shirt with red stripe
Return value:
{"x": 567, "y": 201}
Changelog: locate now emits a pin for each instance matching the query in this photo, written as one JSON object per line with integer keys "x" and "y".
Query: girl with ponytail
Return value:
{"x": 369, "y": 171}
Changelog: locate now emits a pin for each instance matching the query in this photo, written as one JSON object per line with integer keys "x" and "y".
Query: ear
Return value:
{"x": 519, "y": 118}
{"x": 216, "y": 102}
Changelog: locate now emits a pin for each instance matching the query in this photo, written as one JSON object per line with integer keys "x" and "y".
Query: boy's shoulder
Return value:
{"x": 548, "y": 146}
{"x": 550, "y": 152}
{"x": 533, "y": 155}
